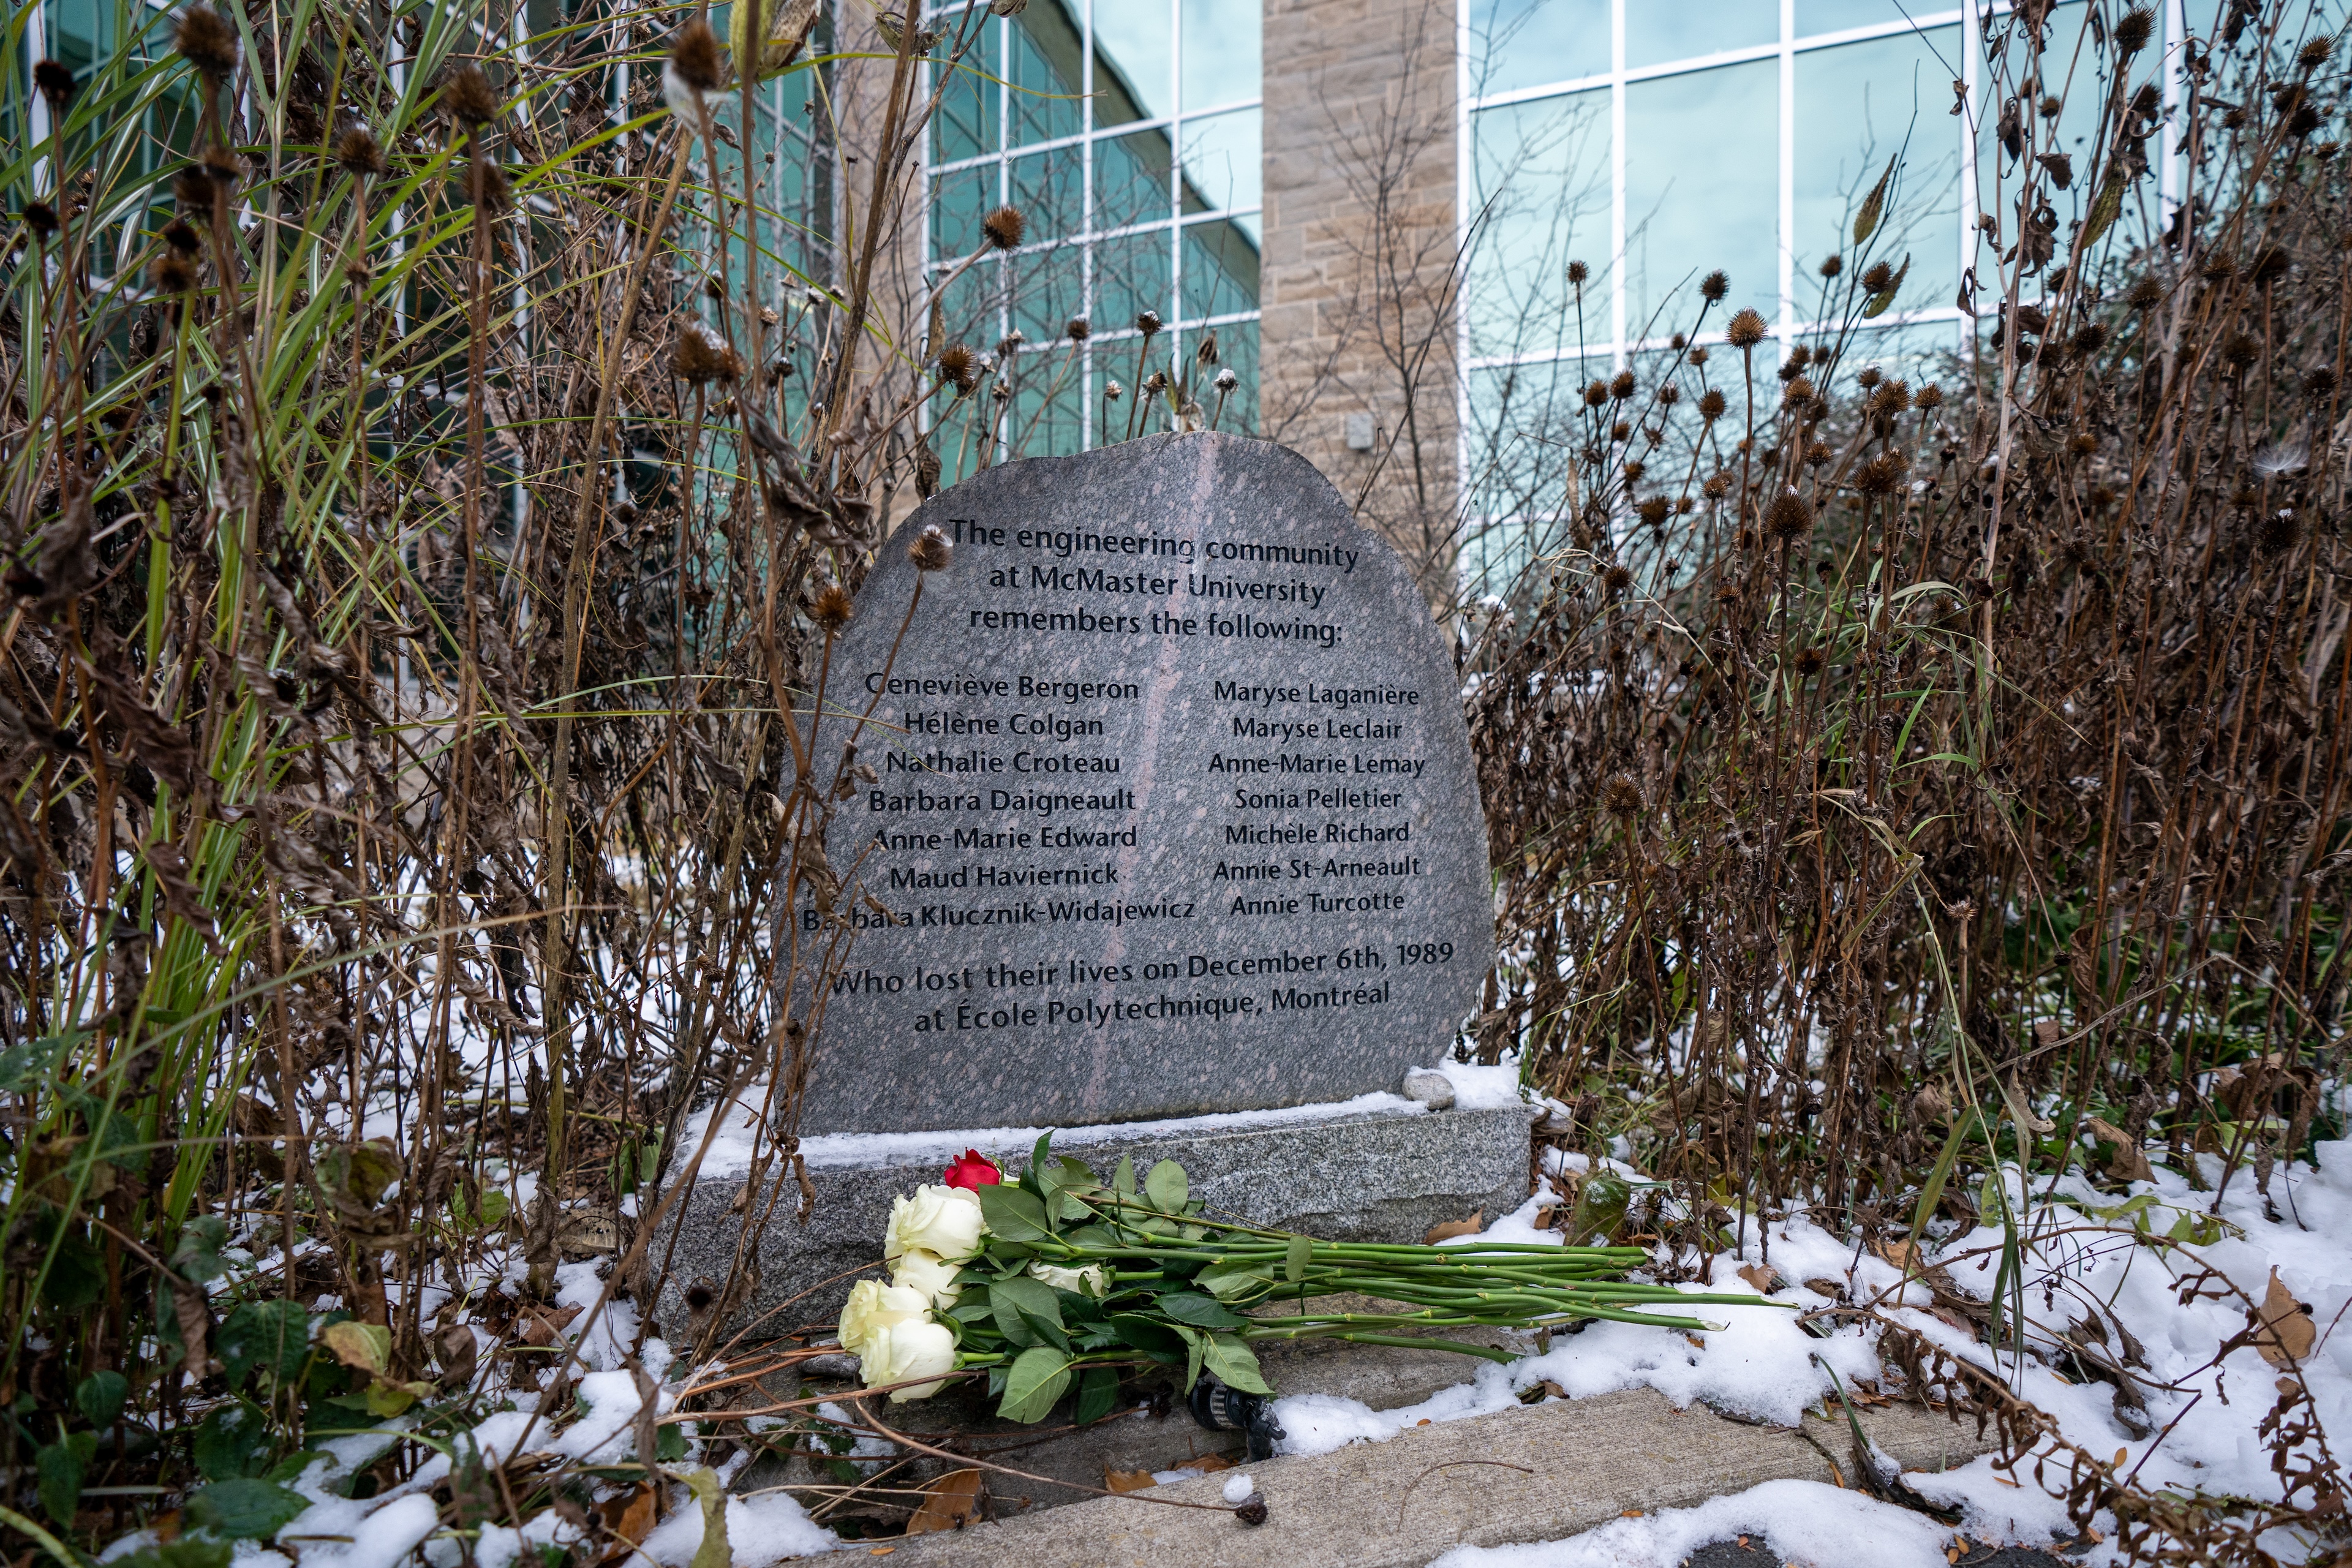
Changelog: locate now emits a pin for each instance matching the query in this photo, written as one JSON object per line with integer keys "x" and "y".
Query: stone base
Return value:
{"x": 1342, "y": 1173}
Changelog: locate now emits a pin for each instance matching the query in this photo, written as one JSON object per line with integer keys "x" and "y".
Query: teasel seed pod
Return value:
{"x": 205, "y": 38}
{"x": 1004, "y": 226}
{"x": 1715, "y": 285}
{"x": 360, "y": 153}
{"x": 931, "y": 550}
{"x": 1746, "y": 330}
{"x": 832, "y": 608}
{"x": 468, "y": 96}
{"x": 1789, "y": 518}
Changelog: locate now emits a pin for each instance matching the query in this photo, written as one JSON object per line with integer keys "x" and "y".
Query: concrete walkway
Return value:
{"x": 1539, "y": 1472}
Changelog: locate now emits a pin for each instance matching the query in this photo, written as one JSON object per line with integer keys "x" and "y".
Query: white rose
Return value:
{"x": 1089, "y": 1281}
{"x": 933, "y": 1279}
{"x": 905, "y": 1349}
{"x": 873, "y": 1307}
{"x": 942, "y": 1221}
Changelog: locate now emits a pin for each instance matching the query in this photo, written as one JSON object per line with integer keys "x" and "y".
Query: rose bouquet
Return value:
{"x": 1063, "y": 1277}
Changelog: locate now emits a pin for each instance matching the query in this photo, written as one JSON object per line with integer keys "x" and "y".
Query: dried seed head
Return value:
{"x": 1206, "y": 354}
{"x": 695, "y": 59}
{"x": 1653, "y": 510}
{"x": 193, "y": 189}
{"x": 1669, "y": 395}
{"x": 1927, "y": 398}
{"x": 2144, "y": 294}
{"x": 1113, "y": 391}
{"x": 1620, "y": 386}
{"x": 55, "y": 80}
{"x": 698, "y": 357}
{"x": 2219, "y": 267}
{"x": 1147, "y": 323}
{"x": 1715, "y": 285}
{"x": 1578, "y": 272}
{"x": 1698, "y": 356}
{"x": 360, "y": 153}
{"x": 1596, "y": 393}
{"x": 958, "y": 367}
{"x": 2240, "y": 349}
{"x": 1617, "y": 578}
{"x": 2089, "y": 339}
{"x": 1711, "y": 405}
{"x": 498, "y": 191}
{"x": 171, "y": 273}
{"x": 1226, "y": 380}
{"x": 1808, "y": 662}
{"x": 2132, "y": 30}
{"x": 1078, "y": 329}
{"x": 1889, "y": 399}
{"x": 1717, "y": 486}
{"x": 1685, "y": 504}
{"x": 2270, "y": 265}
{"x": 1876, "y": 277}
{"x": 1801, "y": 390}
{"x": 1868, "y": 377}
{"x": 1618, "y": 432}
{"x": 2319, "y": 382}
{"x": 1004, "y": 226}
{"x": 1620, "y": 795}
{"x": 1633, "y": 469}
{"x": 1832, "y": 264}
{"x": 468, "y": 96}
{"x": 832, "y": 608}
{"x": 931, "y": 550}
{"x": 2081, "y": 443}
{"x": 41, "y": 218}
{"x": 2314, "y": 55}
{"x": 1746, "y": 330}
{"x": 181, "y": 238}
{"x": 1879, "y": 477}
{"x": 207, "y": 41}
{"x": 2279, "y": 531}
{"x": 1789, "y": 518}
{"x": 1678, "y": 342}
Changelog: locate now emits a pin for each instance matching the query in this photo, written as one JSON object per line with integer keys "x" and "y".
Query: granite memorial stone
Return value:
{"x": 1165, "y": 835}
{"x": 1173, "y": 808}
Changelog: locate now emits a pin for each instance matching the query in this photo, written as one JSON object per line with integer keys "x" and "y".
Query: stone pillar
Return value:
{"x": 1357, "y": 341}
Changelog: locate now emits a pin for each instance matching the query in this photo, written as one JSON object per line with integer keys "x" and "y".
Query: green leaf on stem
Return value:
{"x": 1098, "y": 1392}
{"x": 245, "y": 1509}
{"x": 1122, "y": 1181}
{"x": 102, "y": 1395}
{"x": 1013, "y": 1215}
{"x": 1295, "y": 1258}
{"x": 1027, "y": 1312}
{"x": 1234, "y": 1363}
{"x": 1153, "y": 1338}
{"x": 1036, "y": 1380}
{"x": 264, "y": 1336}
{"x": 60, "y": 1468}
{"x": 1166, "y": 1187}
{"x": 1241, "y": 1280}
{"x": 1200, "y": 1311}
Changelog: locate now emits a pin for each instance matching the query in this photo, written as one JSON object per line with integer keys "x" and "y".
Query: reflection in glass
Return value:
{"x": 1220, "y": 270}
{"x": 1236, "y": 351}
{"x": 1542, "y": 173}
{"x": 1047, "y": 73}
{"x": 1046, "y": 418}
{"x": 960, "y": 199}
{"x": 1854, "y": 106}
{"x": 1220, "y": 52}
{"x": 1045, "y": 186}
{"x": 1131, "y": 180}
{"x": 1048, "y": 289}
{"x": 1656, "y": 34}
{"x": 1221, "y": 162}
{"x": 1702, "y": 190}
{"x": 1132, "y": 51}
{"x": 1527, "y": 42}
{"x": 965, "y": 125}
{"x": 1131, "y": 276}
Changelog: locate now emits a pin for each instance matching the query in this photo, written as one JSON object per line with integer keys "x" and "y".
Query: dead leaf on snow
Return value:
{"x": 2289, "y": 1329}
{"x": 1453, "y": 1227}
{"x": 1127, "y": 1481}
{"x": 2127, "y": 1163}
{"x": 950, "y": 1502}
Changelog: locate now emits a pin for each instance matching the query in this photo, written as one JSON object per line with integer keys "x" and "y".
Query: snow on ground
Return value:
{"x": 2090, "y": 1259}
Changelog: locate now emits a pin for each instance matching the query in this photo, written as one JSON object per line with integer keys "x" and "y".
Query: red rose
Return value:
{"x": 974, "y": 1169}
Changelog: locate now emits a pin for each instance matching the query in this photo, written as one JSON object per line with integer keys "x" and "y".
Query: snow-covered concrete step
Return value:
{"x": 1538, "y": 1472}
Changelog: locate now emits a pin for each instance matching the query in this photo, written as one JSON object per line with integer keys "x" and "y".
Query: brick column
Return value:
{"x": 1358, "y": 254}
